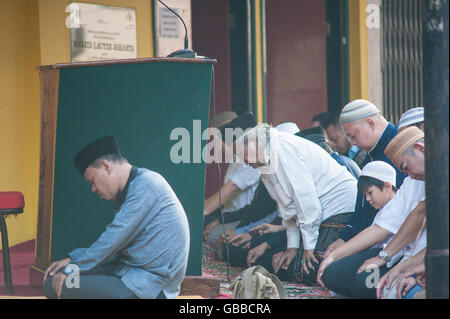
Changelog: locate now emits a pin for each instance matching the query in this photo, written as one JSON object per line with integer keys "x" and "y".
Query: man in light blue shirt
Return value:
{"x": 143, "y": 252}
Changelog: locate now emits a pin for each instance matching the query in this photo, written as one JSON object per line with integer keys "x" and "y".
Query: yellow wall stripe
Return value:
{"x": 259, "y": 71}
{"x": 358, "y": 49}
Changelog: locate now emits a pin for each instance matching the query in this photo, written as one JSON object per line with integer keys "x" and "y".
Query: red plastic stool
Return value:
{"x": 11, "y": 203}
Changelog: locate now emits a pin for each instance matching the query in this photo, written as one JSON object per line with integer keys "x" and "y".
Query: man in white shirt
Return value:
{"x": 308, "y": 185}
{"x": 240, "y": 181}
{"x": 407, "y": 151}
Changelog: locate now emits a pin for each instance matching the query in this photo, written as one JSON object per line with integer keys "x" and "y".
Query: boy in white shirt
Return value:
{"x": 376, "y": 183}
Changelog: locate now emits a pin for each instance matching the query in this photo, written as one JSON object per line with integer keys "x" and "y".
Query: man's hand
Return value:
{"x": 388, "y": 279}
{"x": 323, "y": 265}
{"x": 404, "y": 285}
{"x": 210, "y": 226}
{"x": 56, "y": 266}
{"x": 370, "y": 263}
{"x": 256, "y": 252}
{"x": 283, "y": 259}
{"x": 419, "y": 271}
{"x": 265, "y": 228}
{"x": 58, "y": 277}
{"x": 229, "y": 234}
{"x": 219, "y": 242}
{"x": 241, "y": 239}
{"x": 332, "y": 247}
{"x": 307, "y": 259}
{"x": 402, "y": 272}
{"x": 58, "y": 282}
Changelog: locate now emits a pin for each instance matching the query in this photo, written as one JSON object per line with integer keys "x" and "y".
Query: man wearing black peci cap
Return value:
{"x": 143, "y": 252}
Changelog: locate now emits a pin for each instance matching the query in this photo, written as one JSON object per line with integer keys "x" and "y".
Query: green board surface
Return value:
{"x": 140, "y": 104}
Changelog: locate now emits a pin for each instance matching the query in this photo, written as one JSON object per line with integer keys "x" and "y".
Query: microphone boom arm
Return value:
{"x": 186, "y": 52}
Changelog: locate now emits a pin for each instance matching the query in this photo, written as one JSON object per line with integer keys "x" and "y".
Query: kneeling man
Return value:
{"x": 143, "y": 252}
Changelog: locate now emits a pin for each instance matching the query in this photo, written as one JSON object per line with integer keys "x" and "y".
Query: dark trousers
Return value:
{"x": 238, "y": 256}
{"x": 98, "y": 283}
{"x": 92, "y": 287}
{"x": 341, "y": 276}
{"x": 328, "y": 232}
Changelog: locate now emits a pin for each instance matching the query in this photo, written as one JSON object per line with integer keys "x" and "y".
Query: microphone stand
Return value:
{"x": 186, "y": 52}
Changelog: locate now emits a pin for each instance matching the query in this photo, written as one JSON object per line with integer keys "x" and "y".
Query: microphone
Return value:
{"x": 186, "y": 52}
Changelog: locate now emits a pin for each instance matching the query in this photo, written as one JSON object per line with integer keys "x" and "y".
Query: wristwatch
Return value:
{"x": 384, "y": 255}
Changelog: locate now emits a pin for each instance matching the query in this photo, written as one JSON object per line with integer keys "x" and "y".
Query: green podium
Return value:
{"x": 140, "y": 102}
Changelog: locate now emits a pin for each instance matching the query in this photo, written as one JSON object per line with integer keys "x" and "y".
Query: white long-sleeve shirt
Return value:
{"x": 246, "y": 179}
{"x": 392, "y": 216}
{"x": 308, "y": 185}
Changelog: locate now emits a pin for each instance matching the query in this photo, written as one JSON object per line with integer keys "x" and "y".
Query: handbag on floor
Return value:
{"x": 257, "y": 283}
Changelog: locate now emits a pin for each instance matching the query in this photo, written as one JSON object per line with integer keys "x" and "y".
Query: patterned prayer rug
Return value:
{"x": 212, "y": 266}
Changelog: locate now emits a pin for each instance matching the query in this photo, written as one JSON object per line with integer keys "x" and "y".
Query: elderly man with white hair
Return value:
{"x": 311, "y": 191}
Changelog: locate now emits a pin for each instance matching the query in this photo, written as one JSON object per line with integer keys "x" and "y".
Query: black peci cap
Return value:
{"x": 102, "y": 146}
{"x": 244, "y": 121}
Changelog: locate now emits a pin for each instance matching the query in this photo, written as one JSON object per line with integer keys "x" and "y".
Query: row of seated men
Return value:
{"x": 341, "y": 205}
